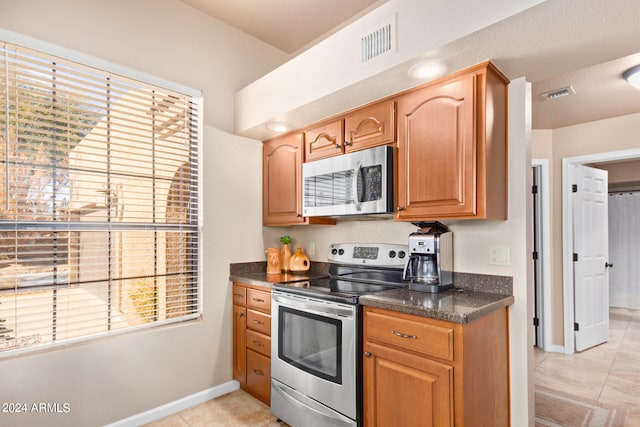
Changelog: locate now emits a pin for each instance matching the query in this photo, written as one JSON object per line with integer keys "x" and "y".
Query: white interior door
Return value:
{"x": 590, "y": 237}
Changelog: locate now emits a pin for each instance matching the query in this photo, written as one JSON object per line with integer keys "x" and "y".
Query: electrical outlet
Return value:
{"x": 311, "y": 250}
{"x": 499, "y": 255}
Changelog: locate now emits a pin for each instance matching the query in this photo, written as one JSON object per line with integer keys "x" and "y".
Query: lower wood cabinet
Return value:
{"x": 252, "y": 340}
{"x": 425, "y": 372}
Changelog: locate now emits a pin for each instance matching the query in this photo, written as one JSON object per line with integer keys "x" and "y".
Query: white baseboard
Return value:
{"x": 177, "y": 405}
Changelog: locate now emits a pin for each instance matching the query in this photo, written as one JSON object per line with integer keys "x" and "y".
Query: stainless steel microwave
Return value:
{"x": 358, "y": 183}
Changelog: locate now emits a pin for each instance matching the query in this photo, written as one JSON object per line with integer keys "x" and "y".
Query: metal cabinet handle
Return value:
{"x": 257, "y": 322}
{"x": 257, "y": 299}
{"x": 258, "y": 343}
{"x": 400, "y": 208}
{"x": 258, "y": 372}
{"x": 347, "y": 143}
{"x": 401, "y": 335}
{"x": 367, "y": 354}
{"x": 238, "y": 295}
{"x": 240, "y": 314}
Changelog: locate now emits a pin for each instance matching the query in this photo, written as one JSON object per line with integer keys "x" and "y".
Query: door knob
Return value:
{"x": 608, "y": 265}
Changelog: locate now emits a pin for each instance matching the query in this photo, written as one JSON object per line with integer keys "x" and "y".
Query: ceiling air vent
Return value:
{"x": 378, "y": 42}
{"x": 558, "y": 93}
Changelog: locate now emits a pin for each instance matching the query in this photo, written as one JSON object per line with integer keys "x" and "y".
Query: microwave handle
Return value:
{"x": 356, "y": 195}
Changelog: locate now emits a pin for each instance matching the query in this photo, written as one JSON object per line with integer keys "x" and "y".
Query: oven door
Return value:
{"x": 314, "y": 352}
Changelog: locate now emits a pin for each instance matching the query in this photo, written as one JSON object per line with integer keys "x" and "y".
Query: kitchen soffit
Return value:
{"x": 556, "y": 46}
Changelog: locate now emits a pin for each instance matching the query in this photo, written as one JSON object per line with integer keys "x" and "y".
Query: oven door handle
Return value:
{"x": 333, "y": 311}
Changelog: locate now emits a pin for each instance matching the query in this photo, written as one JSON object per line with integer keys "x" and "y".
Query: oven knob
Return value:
{"x": 340, "y": 251}
{"x": 401, "y": 254}
{"x": 334, "y": 251}
{"x": 392, "y": 254}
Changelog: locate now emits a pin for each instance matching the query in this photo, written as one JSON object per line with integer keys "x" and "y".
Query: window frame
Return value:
{"x": 196, "y": 127}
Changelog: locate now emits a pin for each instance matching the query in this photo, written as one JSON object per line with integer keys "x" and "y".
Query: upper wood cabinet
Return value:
{"x": 370, "y": 126}
{"x": 365, "y": 127}
{"x": 282, "y": 180}
{"x": 452, "y": 148}
{"x": 323, "y": 141}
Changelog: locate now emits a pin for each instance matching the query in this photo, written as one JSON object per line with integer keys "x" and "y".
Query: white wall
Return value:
{"x": 471, "y": 247}
{"x": 114, "y": 378}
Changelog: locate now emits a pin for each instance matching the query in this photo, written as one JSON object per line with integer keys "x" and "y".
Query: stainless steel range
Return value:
{"x": 316, "y": 332}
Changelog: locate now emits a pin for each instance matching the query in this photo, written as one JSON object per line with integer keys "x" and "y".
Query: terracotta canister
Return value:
{"x": 299, "y": 263}
{"x": 274, "y": 261}
{"x": 286, "y": 257}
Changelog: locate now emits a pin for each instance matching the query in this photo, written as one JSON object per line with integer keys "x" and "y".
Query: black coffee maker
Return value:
{"x": 429, "y": 267}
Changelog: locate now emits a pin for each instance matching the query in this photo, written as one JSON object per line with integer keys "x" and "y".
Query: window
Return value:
{"x": 99, "y": 224}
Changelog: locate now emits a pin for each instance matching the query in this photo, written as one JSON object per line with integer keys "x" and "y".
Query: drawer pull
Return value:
{"x": 258, "y": 322}
{"x": 238, "y": 295}
{"x": 401, "y": 335}
{"x": 257, "y": 299}
{"x": 258, "y": 343}
{"x": 258, "y": 372}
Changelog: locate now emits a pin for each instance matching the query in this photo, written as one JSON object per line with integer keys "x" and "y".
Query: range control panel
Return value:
{"x": 374, "y": 254}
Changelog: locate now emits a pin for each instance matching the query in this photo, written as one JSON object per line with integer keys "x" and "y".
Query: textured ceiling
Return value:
{"x": 554, "y": 45}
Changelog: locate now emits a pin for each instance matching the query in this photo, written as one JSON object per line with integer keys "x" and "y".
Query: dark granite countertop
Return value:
{"x": 456, "y": 305}
{"x": 474, "y": 296}
{"x": 255, "y": 273}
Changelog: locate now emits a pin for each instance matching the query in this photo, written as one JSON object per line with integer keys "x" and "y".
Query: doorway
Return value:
{"x": 542, "y": 321}
{"x": 568, "y": 164}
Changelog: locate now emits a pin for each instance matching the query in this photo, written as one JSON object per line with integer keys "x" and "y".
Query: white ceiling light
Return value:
{"x": 632, "y": 75}
{"x": 278, "y": 127}
{"x": 426, "y": 70}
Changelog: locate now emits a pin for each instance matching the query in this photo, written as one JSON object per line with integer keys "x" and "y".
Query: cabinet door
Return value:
{"x": 239, "y": 343}
{"x": 324, "y": 141}
{"x": 282, "y": 181}
{"x": 370, "y": 126}
{"x": 437, "y": 151}
{"x": 401, "y": 389}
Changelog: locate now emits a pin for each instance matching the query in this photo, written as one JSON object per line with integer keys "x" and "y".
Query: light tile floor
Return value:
{"x": 608, "y": 373}
{"x": 236, "y": 409}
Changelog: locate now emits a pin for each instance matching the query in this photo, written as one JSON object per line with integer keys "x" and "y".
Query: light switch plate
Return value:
{"x": 499, "y": 255}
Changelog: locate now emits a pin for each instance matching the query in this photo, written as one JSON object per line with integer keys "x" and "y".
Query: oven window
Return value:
{"x": 311, "y": 342}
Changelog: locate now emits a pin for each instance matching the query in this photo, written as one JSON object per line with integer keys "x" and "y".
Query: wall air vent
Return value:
{"x": 558, "y": 93}
{"x": 379, "y": 41}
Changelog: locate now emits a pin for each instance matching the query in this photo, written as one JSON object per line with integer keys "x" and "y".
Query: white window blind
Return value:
{"x": 99, "y": 227}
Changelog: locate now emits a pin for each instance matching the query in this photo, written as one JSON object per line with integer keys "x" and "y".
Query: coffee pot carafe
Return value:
{"x": 429, "y": 267}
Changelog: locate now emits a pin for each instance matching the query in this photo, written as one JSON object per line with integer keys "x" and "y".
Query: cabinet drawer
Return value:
{"x": 415, "y": 335}
{"x": 259, "y": 299}
{"x": 259, "y": 322}
{"x": 239, "y": 295}
{"x": 259, "y": 376}
{"x": 259, "y": 342}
